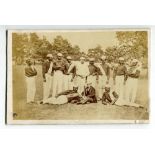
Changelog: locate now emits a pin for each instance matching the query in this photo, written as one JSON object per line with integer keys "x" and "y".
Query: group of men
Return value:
{"x": 94, "y": 81}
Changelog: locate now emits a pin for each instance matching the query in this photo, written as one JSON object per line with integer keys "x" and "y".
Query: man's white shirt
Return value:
{"x": 81, "y": 69}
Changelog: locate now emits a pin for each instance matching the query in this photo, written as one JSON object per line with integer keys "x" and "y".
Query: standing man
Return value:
{"x": 58, "y": 67}
{"x": 93, "y": 72}
{"x": 47, "y": 70}
{"x": 120, "y": 77}
{"x": 68, "y": 78}
{"x": 30, "y": 74}
{"x": 104, "y": 75}
{"x": 82, "y": 72}
{"x": 133, "y": 74}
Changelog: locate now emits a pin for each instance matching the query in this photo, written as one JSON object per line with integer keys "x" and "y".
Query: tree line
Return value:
{"x": 130, "y": 44}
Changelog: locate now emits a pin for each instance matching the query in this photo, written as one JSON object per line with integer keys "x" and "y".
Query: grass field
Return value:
{"x": 70, "y": 111}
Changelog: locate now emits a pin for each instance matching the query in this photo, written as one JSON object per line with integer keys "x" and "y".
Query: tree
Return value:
{"x": 76, "y": 52}
{"x": 19, "y": 43}
{"x": 45, "y": 47}
{"x": 112, "y": 53}
{"x": 96, "y": 52}
{"x": 134, "y": 42}
{"x": 39, "y": 47}
{"x": 26, "y": 45}
{"x": 63, "y": 46}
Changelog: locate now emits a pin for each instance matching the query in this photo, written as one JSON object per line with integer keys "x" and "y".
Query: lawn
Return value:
{"x": 71, "y": 111}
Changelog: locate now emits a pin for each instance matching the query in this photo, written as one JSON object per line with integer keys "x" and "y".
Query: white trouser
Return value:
{"x": 131, "y": 89}
{"x": 92, "y": 79}
{"x": 119, "y": 86}
{"x": 101, "y": 85}
{"x": 31, "y": 88}
{"x": 47, "y": 86}
{"x": 68, "y": 85}
{"x": 81, "y": 83}
{"x": 57, "y": 82}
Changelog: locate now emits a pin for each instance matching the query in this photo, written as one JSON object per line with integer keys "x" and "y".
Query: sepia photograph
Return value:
{"x": 85, "y": 76}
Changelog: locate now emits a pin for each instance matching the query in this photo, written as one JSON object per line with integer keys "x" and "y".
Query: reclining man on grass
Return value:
{"x": 72, "y": 96}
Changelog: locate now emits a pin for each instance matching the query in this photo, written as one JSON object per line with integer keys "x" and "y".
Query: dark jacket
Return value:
{"x": 106, "y": 68}
{"x": 106, "y": 98}
{"x": 93, "y": 70}
{"x": 66, "y": 68}
{"x": 120, "y": 70}
{"x": 45, "y": 67}
{"x": 59, "y": 65}
{"x": 90, "y": 93}
{"x": 29, "y": 71}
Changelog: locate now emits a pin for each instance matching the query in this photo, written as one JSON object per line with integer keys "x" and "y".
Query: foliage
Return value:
{"x": 19, "y": 42}
{"x": 130, "y": 44}
{"x": 96, "y": 52}
{"x": 63, "y": 46}
{"x": 134, "y": 43}
{"x": 30, "y": 45}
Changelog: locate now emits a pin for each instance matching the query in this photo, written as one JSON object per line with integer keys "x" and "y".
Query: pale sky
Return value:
{"x": 84, "y": 39}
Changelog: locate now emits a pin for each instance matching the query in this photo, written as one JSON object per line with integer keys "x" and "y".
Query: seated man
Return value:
{"x": 109, "y": 97}
{"x": 89, "y": 94}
